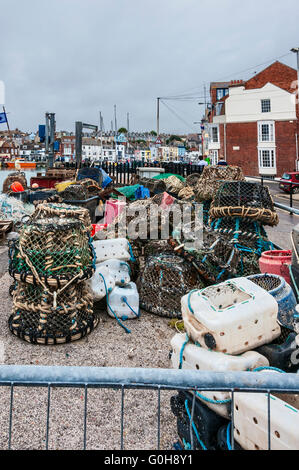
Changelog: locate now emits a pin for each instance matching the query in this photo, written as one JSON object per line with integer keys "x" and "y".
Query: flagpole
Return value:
{"x": 6, "y": 119}
{"x": 8, "y": 128}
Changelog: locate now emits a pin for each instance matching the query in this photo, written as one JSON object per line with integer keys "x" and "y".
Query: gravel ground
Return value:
{"x": 108, "y": 345}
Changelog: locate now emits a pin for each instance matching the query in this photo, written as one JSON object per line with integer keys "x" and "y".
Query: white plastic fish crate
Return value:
{"x": 118, "y": 270}
{"x": 124, "y": 301}
{"x": 251, "y": 422}
{"x": 98, "y": 280}
{"x": 116, "y": 248}
{"x": 196, "y": 358}
{"x": 232, "y": 317}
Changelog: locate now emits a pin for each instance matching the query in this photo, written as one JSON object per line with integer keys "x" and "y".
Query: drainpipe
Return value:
{"x": 296, "y": 136}
{"x": 225, "y": 141}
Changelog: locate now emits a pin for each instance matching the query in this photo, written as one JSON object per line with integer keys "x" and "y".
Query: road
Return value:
{"x": 280, "y": 196}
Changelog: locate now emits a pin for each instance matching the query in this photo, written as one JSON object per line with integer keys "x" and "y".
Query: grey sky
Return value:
{"x": 76, "y": 57}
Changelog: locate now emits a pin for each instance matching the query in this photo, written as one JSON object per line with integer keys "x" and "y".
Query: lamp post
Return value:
{"x": 296, "y": 51}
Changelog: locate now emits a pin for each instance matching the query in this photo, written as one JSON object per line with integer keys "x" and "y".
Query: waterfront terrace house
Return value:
{"x": 254, "y": 124}
{"x": 8, "y": 149}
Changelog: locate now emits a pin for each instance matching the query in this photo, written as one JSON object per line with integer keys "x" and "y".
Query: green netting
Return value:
{"x": 164, "y": 176}
{"x": 128, "y": 191}
{"x": 53, "y": 250}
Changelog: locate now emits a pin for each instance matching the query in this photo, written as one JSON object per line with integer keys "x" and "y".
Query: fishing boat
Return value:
{"x": 18, "y": 164}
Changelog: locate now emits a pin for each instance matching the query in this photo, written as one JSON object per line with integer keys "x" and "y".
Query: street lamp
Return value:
{"x": 296, "y": 51}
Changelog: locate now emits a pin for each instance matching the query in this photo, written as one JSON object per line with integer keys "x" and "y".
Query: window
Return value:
{"x": 266, "y": 131}
{"x": 214, "y": 134}
{"x": 221, "y": 92}
{"x": 267, "y": 158}
{"x": 266, "y": 106}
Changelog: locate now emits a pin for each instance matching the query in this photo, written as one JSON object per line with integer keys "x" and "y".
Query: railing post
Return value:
{"x": 291, "y": 195}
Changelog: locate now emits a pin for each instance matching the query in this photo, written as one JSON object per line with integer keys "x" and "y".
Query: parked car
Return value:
{"x": 287, "y": 179}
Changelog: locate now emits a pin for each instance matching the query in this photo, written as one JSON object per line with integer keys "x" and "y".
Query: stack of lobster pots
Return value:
{"x": 237, "y": 325}
{"x": 50, "y": 263}
{"x": 239, "y": 212}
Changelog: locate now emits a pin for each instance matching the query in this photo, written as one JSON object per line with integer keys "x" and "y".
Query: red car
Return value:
{"x": 287, "y": 179}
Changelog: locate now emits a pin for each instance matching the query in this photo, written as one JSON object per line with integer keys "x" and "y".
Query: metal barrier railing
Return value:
{"x": 124, "y": 379}
{"x": 292, "y": 190}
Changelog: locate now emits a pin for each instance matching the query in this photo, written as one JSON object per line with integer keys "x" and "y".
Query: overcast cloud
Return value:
{"x": 79, "y": 57}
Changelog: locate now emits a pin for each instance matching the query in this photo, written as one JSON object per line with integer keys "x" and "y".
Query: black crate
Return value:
{"x": 90, "y": 204}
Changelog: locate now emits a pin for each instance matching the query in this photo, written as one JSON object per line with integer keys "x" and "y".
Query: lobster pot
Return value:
{"x": 192, "y": 180}
{"x": 244, "y": 199}
{"x": 155, "y": 186}
{"x": 192, "y": 357}
{"x": 48, "y": 317}
{"x": 248, "y": 236}
{"x": 205, "y": 421}
{"x": 155, "y": 247}
{"x": 216, "y": 261}
{"x": 18, "y": 176}
{"x": 186, "y": 193}
{"x": 243, "y": 232}
{"x": 123, "y": 302}
{"x": 115, "y": 248}
{"x": 118, "y": 270}
{"x": 101, "y": 282}
{"x": 283, "y": 294}
{"x": 251, "y": 422}
{"x": 212, "y": 178}
{"x": 162, "y": 283}
{"x": 50, "y": 210}
{"x": 173, "y": 184}
{"x": 232, "y": 317}
{"x": 52, "y": 252}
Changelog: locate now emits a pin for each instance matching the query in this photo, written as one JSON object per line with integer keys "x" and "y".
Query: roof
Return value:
{"x": 278, "y": 74}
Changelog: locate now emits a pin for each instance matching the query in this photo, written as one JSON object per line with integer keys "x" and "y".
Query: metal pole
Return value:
{"x": 52, "y": 139}
{"x": 158, "y": 117}
{"x": 79, "y": 127}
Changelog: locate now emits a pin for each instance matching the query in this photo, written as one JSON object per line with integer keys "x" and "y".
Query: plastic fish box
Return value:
{"x": 284, "y": 356}
{"x": 207, "y": 422}
{"x": 224, "y": 437}
{"x": 115, "y": 248}
{"x": 118, "y": 270}
{"x": 90, "y": 204}
{"x": 251, "y": 422}
{"x": 124, "y": 301}
{"x": 196, "y": 358}
{"x": 232, "y": 317}
{"x": 98, "y": 280}
{"x": 40, "y": 195}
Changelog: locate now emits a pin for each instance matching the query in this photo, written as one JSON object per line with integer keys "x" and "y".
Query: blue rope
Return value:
{"x": 258, "y": 369}
{"x": 131, "y": 252}
{"x": 194, "y": 427}
{"x": 189, "y": 300}
{"x": 182, "y": 351}
{"x": 107, "y": 299}
{"x": 123, "y": 263}
{"x": 214, "y": 402}
{"x": 187, "y": 445}
{"x": 228, "y": 436}
{"x": 136, "y": 314}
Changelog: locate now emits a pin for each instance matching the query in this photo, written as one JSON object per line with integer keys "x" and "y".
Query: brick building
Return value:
{"x": 254, "y": 124}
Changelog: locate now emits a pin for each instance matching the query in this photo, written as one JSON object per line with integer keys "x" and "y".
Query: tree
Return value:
{"x": 122, "y": 130}
{"x": 153, "y": 133}
{"x": 173, "y": 137}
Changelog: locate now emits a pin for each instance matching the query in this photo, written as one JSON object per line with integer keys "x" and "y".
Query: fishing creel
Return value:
{"x": 52, "y": 252}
